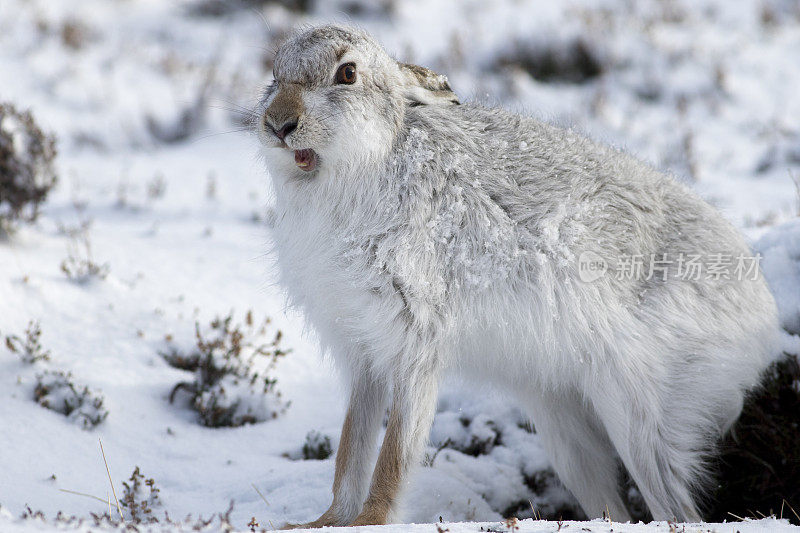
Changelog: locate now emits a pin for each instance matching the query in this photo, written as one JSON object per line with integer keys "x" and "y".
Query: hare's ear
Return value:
{"x": 423, "y": 86}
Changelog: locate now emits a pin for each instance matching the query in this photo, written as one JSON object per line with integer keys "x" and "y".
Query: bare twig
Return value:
{"x": 796, "y": 180}
{"x": 92, "y": 496}
{"x": 791, "y": 509}
{"x": 108, "y": 471}
{"x": 259, "y": 493}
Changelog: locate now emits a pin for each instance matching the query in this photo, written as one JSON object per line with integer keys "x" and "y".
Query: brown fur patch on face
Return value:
{"x": 287, "y": 106}
{"x": 340, "y": 52}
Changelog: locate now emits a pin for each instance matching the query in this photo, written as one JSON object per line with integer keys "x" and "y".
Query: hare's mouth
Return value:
{"x": 305, "y": 159}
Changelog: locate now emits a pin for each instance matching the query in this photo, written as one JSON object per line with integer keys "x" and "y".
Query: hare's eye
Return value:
{"x": 346, "y": 74}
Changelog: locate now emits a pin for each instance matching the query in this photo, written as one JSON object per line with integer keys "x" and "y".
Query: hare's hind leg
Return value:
{"x": 660, "y": 441}
{"x": 581, "y": 453}
{"x": 354, "y": 458}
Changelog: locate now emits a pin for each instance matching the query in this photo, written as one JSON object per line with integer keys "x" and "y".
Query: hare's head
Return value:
{"x": 338, "y": 100}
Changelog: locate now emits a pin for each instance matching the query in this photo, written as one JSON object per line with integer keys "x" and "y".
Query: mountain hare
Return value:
{"x": 422, "y": 236}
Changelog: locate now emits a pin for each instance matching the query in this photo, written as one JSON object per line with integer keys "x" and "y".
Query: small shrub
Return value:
{"x": 110, "y": 520}
{"x": 479, "y": 436}
{"x": 759, "y": 463}
{"x": 29, "y": 349}
{"x": 27, "y": 173}
{"x": 634, "y": 501}
{"x": 376, "y": 9}
{"x": 220, "y": 8}
{"x": 74, "y": 34}
{"x": 781, "y": 154}
{"x": 231, "y": 385}
{"x": 573, "y": 61}
{"x": 156, "y": 187}
{"x": 189, "y": 118}
{"x": 469, "y": 439}
{"x": 79, "y": 265}
{"x": 140, "y": 505}
{"x": 30, "y": 514}
{"x": 553, "y": 501}
{"x": 56, "y": 391}
{"x": 317, "y": 446}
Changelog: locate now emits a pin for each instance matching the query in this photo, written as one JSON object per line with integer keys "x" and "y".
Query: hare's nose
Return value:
{"x": 286, "y": 129}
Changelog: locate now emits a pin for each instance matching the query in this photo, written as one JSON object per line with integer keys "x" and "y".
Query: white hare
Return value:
{"x": 421, "y": 236}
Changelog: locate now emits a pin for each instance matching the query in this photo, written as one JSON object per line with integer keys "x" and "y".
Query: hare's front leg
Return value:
{"x": 410, "y": 419}
{"x": 356, "y": 452}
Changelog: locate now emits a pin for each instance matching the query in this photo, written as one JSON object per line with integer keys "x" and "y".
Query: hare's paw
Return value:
{"x": 328, "y": 518}
{"x": 309, "y": 525}
{"x": 371, "y": 517}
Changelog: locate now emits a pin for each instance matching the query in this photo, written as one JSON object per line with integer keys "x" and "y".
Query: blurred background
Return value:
{"x": 706, "y": 89}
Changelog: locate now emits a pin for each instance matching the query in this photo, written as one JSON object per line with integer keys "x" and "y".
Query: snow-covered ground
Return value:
{"x": 160, "y": 186}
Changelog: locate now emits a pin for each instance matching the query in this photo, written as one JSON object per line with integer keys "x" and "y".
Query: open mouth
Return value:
{"x": 305, "y": 159}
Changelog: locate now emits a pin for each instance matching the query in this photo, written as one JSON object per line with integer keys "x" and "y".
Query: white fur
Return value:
{"x": 423, "y": 244}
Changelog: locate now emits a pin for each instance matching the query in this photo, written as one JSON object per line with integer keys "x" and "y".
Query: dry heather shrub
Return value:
{"x": 220, "y": 8}
{"x": 317, "y": 446}
{"x": 55, "y": 390}
{"x": 568, "y": 61}
{"x": 231, "y": 365}
{"x": 759, "y": 464}
{"x": 538, "y": 493}
{"x": 140, "y": 502}
{"x": 80, "y": 265}
{"x": 29, "y": 349}
{"x": 26, "y": 167}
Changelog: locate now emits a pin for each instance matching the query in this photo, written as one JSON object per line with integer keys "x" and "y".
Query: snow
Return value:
{"x": 766, "y": 525}
{"x": 161, "y": 189}
{"x": 780, "y": 249}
